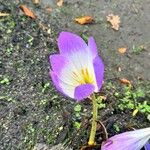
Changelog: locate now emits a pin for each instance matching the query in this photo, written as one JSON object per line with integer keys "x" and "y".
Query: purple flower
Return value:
{"x": 147, "y": 146}
{"x": 132, "y": 140}
{"x": 77, "y": 71}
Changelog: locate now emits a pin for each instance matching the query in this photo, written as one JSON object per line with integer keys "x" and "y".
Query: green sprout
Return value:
{"x": 100, "y": 103}
{"x": 5, "y": 80}
{"x": 138, "y": 49}
{"x": 46, "y": 86}
{"x": 116, "y": 127}
{"x": 77, "y": 110}
{"x": 77, "y": 124}
{"x": 131, "y": 101}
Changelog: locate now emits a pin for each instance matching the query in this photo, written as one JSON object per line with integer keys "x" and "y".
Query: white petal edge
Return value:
{"x": 77, "y": 61}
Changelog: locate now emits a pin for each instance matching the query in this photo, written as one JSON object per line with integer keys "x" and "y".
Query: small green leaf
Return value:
{"x": 78, "y": 108}
{"x": 116, "y": 127}
{"x": 5, "y": 81}
{"x": 77, "y": 125}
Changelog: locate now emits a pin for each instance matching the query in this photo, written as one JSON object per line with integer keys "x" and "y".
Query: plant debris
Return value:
{"x": 4, "y": 14}
{"x": 119, "y": 69}
{"x": 36, "y": 1}
{"x": 84, "y": 20}
{"x": 60, "y": 3}
{"x": 114, "y": 21}
{"x": 122, "y": 50}
{"x": 125, "y": 81}
{"x": 27, "y": 11}
{"x": 135, "y": 112}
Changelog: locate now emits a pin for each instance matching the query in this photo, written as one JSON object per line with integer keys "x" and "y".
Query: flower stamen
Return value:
{"x": 83, "y": 76}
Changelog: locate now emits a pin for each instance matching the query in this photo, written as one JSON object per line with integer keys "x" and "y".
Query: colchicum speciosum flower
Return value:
{"x": 147, "y": 146}
{"x": 132, "y": 140}
{"x": 77, "y": 71}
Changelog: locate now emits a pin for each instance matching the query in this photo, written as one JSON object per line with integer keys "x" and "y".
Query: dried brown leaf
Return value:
{"x": 60, "y": 3}
{"x": 27, "y": 11}
{"x": 114, "y": 21}
{"x": 4, "y": 14}
{"x": 122, "y": 50}
{"x": 84, "y": 20}
{"x": 125, "y": 81}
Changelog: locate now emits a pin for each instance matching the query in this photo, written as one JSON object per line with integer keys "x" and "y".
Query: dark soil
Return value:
{"x": 31, "y": 110}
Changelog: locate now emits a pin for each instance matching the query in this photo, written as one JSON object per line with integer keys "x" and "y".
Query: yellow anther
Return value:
{"x": 83, "y": 76}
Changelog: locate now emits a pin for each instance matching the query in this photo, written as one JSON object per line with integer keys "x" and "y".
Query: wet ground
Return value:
{"x": 32, "y": 111}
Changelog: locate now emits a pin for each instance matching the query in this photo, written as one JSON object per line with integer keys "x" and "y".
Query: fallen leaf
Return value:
{"x": 84, "y": 20}
{"x": 122, "y": 50}
{"x": 60, "y": 3}
{"x": 4, "y": 14}
{"x": 135, "y": 112}
{"x": 27, "y": 11}
{"x": 125, "y": 81}
{"x": 114, "y": 21}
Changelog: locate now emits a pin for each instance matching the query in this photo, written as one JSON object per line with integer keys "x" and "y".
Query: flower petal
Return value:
{"x": 75, "y": 72}
{"x": 70, "y": 43}
{"x": 72, "y": 73}
{"x": 92, "y": 47}
{"x": 61, "y": 86}
{"x": 83, "y": 91}
{"x": 133, "y": 140}
{"x": 99, "y": 71}
{"x": 55, "y": 80}
{"x": 147, "y": 146}
{"x": 58, "y": 62}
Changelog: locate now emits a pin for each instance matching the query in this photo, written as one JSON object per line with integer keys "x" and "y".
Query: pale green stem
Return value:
{"x": 94, "y": 122}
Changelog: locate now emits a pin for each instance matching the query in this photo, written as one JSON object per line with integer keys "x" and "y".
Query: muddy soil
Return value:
{"x": 31, "y": 110}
